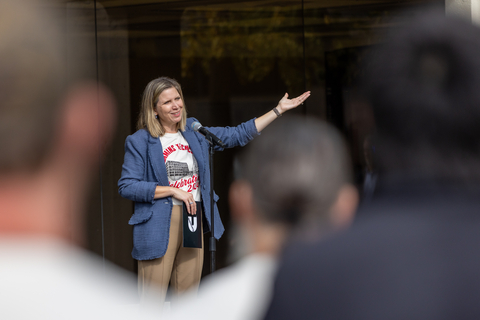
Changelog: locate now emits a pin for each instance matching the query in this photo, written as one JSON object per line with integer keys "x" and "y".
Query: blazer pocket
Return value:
{"x": 140, "y": 217}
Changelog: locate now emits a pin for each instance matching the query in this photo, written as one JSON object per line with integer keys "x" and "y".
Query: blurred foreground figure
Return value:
{"x": 50, "y": 136}
{"x": 415, "y": 254}
{"x": 294, "y": 183}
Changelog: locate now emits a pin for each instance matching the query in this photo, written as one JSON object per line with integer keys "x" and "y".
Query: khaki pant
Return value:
{"x": 181, "y": 267}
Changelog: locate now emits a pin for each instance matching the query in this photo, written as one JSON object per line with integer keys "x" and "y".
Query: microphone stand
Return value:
{"x": 213, "y": 241}
{"x": 213, "y": 141}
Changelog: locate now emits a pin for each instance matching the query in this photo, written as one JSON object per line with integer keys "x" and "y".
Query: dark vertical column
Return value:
{"x": 219, "y": 96}
{"x": 113, "y": 70}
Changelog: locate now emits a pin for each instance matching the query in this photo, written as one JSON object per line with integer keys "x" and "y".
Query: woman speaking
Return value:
{"x": 158, "y": 158}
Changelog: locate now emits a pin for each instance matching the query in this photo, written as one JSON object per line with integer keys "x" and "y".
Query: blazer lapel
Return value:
{"x": 194, "y": 145}
{"x": 155, "y": 153}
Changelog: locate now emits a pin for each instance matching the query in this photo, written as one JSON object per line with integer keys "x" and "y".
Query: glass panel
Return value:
{"x": 114, "y": 70}
{"x": 235, "y": 60}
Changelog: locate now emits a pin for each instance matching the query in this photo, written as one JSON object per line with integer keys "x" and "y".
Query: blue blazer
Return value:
{"x": 144, "y": 168}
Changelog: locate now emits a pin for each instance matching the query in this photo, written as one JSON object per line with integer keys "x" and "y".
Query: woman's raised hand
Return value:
{"x": 283, "y": 105}
{"x": 286, "y": 104}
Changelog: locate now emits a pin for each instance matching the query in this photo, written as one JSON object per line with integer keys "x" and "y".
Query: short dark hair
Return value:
{"x": 424, "y": 87}
{"x": 296, "y": 169}
{"x": 32, "y": 81}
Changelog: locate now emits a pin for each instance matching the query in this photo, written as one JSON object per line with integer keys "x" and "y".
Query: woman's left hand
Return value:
{"x": 283, "y": 105}
{"x": 286, "y": 104}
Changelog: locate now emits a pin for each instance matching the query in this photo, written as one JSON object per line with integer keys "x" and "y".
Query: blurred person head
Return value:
{"x": 151, "y": 103}
{"x": 423, "y": 85}
{"x": 51, "y": 126}
{"x": 295, "y": 181}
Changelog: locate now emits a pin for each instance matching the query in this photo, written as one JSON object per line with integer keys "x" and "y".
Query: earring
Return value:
{"x": 156, "y": 116}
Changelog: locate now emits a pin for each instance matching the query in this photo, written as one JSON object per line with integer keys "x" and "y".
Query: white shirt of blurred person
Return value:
{"x": 295, "y": 186}
{"x": 50, "y": 137}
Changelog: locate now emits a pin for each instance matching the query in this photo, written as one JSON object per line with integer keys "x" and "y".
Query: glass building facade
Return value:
{"x": 234, "y": 60}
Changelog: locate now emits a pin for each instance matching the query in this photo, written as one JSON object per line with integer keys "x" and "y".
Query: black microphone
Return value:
{"x": 196, "y": 126}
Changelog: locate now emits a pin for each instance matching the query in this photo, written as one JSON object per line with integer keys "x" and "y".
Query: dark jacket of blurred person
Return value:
{"x": 414, "y": 253}
{"x": 292, "y": 183}
{"x": 50, "y": 132}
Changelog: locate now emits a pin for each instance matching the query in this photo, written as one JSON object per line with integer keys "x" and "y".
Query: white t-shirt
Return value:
{"x": 47, "y": 279}
{"x": 241, "y": 291}
{"x": 182, "y": 168}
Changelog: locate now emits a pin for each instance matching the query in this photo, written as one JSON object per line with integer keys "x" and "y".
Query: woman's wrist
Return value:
{"x": 173, "y": 191}
{"x": 164, "y": 191}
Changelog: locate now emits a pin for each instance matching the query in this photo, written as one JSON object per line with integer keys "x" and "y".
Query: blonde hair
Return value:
{"x": 146, "y": 119}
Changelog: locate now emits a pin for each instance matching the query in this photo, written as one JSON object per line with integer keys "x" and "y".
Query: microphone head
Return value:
{"x": 196, "y": 126}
